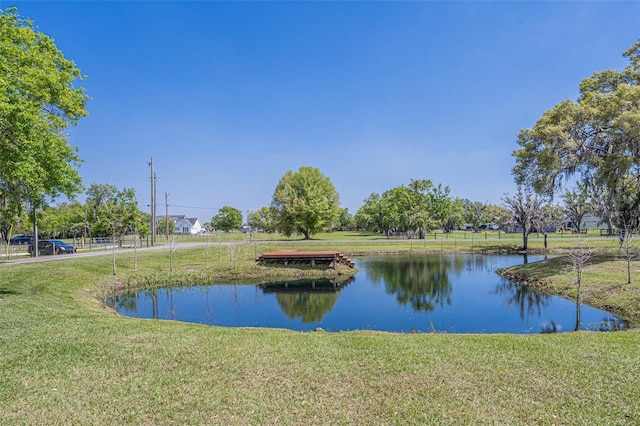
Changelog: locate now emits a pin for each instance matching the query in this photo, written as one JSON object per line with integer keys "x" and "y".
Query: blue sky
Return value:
{"x": 228, "y": 96}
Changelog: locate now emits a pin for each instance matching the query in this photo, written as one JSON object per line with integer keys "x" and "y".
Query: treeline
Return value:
{"x": 107, "y": 212}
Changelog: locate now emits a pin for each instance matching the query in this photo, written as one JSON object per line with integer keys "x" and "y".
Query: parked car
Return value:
{"x": 491, "y": 226}
{"x": 21, "y": 240}
{"x": 53, "y": 247}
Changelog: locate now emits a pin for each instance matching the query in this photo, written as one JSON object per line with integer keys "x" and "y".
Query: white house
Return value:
{"x": 187, "y": 225}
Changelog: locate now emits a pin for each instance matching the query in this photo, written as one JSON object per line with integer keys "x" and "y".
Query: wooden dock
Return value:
{"x": 313, "y": 258}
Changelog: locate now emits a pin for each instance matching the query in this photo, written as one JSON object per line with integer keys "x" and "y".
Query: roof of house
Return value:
{"x": 191, "y": 220}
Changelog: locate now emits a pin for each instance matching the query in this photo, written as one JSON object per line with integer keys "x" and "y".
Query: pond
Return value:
{"x": 419, "y": 293}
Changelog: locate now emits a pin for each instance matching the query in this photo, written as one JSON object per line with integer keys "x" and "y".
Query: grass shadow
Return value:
{"x": 500, "y": 249}
{"x": 6, "y": 292}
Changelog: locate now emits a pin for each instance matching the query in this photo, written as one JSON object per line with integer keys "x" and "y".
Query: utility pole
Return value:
{"x": 166, "y": 215}
{"x": 155, "y": 209}
{"x": 153, "y": 204}
{"x": 34, "y": 243}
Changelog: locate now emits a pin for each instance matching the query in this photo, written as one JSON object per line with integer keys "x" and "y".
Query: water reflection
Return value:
{"x": 610, "y": 323}
{"x": 321, "y": 285}
{"x": 528, "y": 301}
{"x": 420, "y": 282}
{"x": 128, "y": 301}
{"x": 531, "y": 304}
{"x": 308, "y": 300}
{"x": 152, "y": 296}
{"x": 445, "y": 293}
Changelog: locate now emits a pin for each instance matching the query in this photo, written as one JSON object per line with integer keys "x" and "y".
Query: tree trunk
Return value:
{"x": 113, "y": 250}
{"x": 578, "y": 302}
{"x": 525, "y": 238}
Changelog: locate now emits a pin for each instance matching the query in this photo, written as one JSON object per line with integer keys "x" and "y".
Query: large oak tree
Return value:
{"x": 305, "y": 201}
{"x": 595, "y": 139}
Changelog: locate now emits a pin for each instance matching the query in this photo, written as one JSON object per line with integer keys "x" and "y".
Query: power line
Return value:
{"x": 194, "y": 207}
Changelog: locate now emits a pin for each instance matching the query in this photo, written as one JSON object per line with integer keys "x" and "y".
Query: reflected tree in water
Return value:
{"x": 310, "y": 307}
{"x": 153, "y": 296}
{"x": 127, "y": 301}
{"x": 529, "y": 302}
{"x": 550, "y": 328}
{"x": 422, "y": 282}
{"x": 475, "y": 263}
{"x": 171, "y": 313}
{"x": 309, "y": 300}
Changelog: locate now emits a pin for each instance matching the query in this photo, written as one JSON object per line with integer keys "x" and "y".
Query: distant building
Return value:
{"x": 187, "y": 225}
{"x": 588, "y": 221}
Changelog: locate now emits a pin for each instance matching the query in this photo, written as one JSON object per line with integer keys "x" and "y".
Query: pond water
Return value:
{"x": 420, "y": 293}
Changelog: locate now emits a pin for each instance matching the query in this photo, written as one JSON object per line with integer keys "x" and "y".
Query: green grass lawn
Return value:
{"x": 67, "y": 359}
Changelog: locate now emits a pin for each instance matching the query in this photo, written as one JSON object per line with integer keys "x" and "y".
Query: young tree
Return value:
{"x": 526, "y": 209}
{"x": 228, "y": 218}
{"x": 38, "y": 102}
{"x": 630, "y": 250}
{"x": 113, "y": 212}
{"x": 305, "y": 201}
{"x": 577, "y": 259}
{"x": 627, "y": 220}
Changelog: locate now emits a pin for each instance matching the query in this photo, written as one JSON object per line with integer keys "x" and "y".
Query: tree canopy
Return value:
{"x": 595, "y": 139}
{"x": 166, "y": 226}
{"x": 38, "y": 103}
{"x": 576, "y": 205}
{"x": 476, "y": 213}
{"x": 114, "y": 212}
{"x": 305, "y": 201}
{"x": 262, "y": 219}
{"x": 369, "y": 216}
{"x": 417, "y": 208}
{"x": 527, "y": 212}
{"x": 228, "y": 218}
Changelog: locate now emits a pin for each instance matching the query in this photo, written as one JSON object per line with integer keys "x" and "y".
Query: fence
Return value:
{"x": 105, "y": 243}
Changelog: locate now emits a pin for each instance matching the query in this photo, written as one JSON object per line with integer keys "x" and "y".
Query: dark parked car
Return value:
{"x": 21, "y": 239}
{"x": 53, "y": 247}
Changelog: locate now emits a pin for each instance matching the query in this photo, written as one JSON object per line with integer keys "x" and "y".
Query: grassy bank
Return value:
{"x": 604, "y": 283}
{"x": 65, "y": 358}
